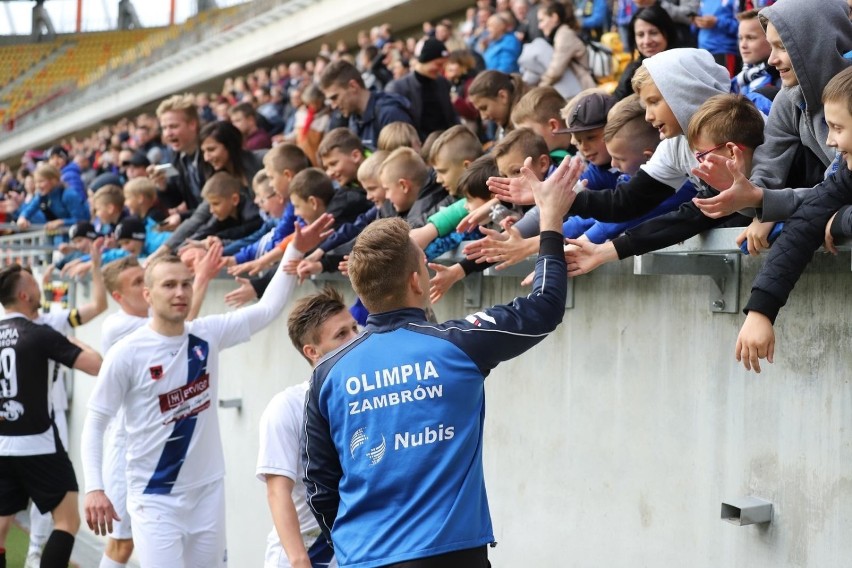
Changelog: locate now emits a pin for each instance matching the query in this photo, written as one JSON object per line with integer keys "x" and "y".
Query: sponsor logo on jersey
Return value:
{"x": 360, "y": 438}
{"x": 174, "y": 398}
{"x": 426, "y": 436}
{"x": 156, "y": 372}
{"x": 11, "y": 410}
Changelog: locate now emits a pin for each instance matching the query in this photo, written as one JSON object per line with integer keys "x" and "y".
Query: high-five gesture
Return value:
{"x": 727, "y": 175}
{"x": 555, "y": 195}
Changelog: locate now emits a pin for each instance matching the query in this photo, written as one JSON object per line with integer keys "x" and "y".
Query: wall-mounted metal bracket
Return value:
{"x": 747, "y": 511}
{"x": 231, "y": 403}
{"x": 723, "y": 269}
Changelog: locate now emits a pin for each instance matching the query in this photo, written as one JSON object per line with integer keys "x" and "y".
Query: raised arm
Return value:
{"x": 281, "y": 287}
{"x": 98, "y": 305}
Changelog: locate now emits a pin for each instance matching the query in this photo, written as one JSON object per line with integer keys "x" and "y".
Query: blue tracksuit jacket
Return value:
{"x": 393, "y": 424}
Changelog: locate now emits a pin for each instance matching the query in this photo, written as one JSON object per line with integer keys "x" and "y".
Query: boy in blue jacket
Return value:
{"x": 58, "y": 206}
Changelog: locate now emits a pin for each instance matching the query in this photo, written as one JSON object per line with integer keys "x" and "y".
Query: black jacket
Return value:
{"x": 410, "y": 88}
{"x": 803, "y": 234}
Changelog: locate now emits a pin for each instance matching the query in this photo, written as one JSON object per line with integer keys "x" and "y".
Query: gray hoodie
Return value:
{"x": 686, "y": 78}
{"x": 816, "y": 34}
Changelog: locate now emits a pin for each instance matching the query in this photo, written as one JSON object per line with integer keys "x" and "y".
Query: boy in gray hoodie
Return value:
{"x": 809, "y": 39}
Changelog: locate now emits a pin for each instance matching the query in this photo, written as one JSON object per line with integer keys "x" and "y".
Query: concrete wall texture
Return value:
{"x": 615, "y": 441}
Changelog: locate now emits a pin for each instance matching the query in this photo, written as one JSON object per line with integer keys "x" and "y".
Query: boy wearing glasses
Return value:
{"x": 808, "y": 40}
{"x": 722, "y": 123}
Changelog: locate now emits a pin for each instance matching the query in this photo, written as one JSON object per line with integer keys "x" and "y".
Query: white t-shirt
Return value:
{"x": 60, "y": 321}
{"x": 672, "y": 163}
{"x": 116, "y": 326}
{"x": 281, "y": 454}
{"x": 169, "y": 388}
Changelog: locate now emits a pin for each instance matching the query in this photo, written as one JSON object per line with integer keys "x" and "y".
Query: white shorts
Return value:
{"x": 115, "y": 478}
{"x": 320, "y": 553}
{"x": 184, "y": 530}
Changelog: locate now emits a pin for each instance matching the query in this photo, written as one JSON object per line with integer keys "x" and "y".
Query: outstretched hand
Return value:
{"x": 517, "y": 190}
{"x": 475, "y": 218}
{"x": 582, "y": 256}
{"x": 242, "y": 295}
{"x": 96, "y": 252}
{"x": 445, "y": 277}
{"x": 309, "y": 237}
{"x": 506, "y": 248}
{"x": 727, "y": 176}
{"x": 555, "y": 195}
{"x": 209, "y": 265}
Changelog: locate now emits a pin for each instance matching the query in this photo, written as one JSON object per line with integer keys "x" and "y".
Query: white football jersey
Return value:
{"x": 280, "y": 451}
{"x": 116, "y": 326}
{"x": 169, "y": 388}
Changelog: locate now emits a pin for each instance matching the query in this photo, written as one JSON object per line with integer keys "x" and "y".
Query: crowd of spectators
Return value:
{"x": 394, "y": 126}
{"x": 722, "y": 104}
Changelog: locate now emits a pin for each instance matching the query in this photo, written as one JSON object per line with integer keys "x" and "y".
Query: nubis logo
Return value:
{"x": 374, "y": 454}
{"x": 426, "y": 436}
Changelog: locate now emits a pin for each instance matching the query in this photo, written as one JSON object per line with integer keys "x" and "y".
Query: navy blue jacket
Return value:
{"x": 394, "y": 424}
{"x": 382, "y": 109}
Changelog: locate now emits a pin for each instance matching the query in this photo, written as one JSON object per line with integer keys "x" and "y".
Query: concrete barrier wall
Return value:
{"x": 615, "y": 441}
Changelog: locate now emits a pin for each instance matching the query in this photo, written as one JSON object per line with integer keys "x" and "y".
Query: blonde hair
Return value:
{"x": 405, "y": 163}
{"x": 381, "y": 261}
{"x": 460, "y": 143}
{"x": 539, "y": 105}
{"x": 369, "y": 168}
{"x": 46, "y": 171}
{"x": 286, "y": 157}
{"x": 112, "y": 271}
{"x": 260, "y": 183}
{"x": 626, "y": 120}
{"x": 398, "y": 135}
{"x": 141, "y": 186}
{"x": 641, "y": 78}
{"x": 180, "y": 103}
{"x": 109, "y": 194}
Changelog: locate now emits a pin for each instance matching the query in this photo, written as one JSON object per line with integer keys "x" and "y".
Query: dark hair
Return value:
{"x": 488, "y": 85}
{"x": 657, "y": 16}
{"x": 564, "y": 10}
{"x": 9, "y": 278}
{"x": 310, "y": 313}
{"x": 472, "y": 181}
{"x": 312, "y": 182}
{"x": 340, "y": 73}
{"x": 231, "y": 138}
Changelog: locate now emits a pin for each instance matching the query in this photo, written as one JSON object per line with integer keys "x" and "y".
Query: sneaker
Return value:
{"x": 33, "y": 560}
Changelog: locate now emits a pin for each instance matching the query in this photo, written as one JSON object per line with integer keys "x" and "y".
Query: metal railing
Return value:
{"x": 28, "y": 247}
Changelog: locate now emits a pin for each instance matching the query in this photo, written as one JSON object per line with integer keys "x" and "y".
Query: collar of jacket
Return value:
{"x": 389, "y": 321}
